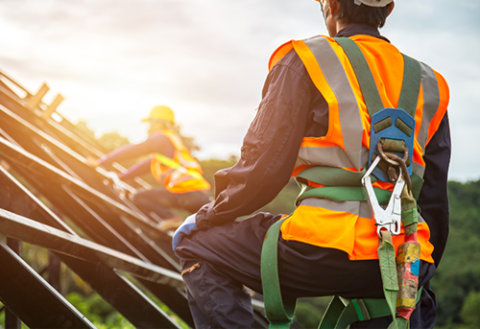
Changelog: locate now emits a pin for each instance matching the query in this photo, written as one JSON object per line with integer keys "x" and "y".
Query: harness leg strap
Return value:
{"x": 279, "y": 314}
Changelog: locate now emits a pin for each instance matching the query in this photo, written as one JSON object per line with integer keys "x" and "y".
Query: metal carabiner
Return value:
{"x": 389, "y": 218}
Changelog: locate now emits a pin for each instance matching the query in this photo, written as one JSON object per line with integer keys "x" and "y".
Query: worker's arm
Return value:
{"x": 156, "y": 143}
{"x": 433, "y": 200}
{"x": 270, "y": 147}
{"x": 137, "y": 170}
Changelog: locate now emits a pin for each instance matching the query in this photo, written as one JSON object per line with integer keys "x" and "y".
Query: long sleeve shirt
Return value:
{"x": 155, "y": 143}
{"x": 293, "y": 108}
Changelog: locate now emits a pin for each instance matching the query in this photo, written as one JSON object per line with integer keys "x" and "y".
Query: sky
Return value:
{"x": 113, "y": 60}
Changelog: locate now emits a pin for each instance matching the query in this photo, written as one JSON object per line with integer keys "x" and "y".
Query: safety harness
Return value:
{"x": 390, "y": 160}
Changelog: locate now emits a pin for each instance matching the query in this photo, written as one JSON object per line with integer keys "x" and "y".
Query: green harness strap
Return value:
{"x": 388, "y": 270}
{"x": 348, "y": 188}
{"x": 343, "y": 193}
{"x": 331, "y": 176}
{"x": 412, "y": 77}
{"x": 364, "y": 75}
{"x": 279, "y": 315}
{"x": 342, "y": 312}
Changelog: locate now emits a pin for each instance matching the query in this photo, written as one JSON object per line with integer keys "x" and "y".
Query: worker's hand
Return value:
{"x": 187, "y": 228}
{"x": 117, "y": 184}
{"x": 92, "y": 162}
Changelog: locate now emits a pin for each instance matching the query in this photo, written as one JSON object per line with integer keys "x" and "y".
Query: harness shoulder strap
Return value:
{"x": 364, "y": 75}
{"x": 412, "y": 77}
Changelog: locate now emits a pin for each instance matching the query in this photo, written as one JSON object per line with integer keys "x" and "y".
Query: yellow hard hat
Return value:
{"x": 161, "y": 112}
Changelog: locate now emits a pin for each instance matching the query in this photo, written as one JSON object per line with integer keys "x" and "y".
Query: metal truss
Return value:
{"x": 97, "y": 233}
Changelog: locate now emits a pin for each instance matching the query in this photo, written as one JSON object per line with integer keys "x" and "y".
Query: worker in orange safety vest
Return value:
{"x": 182, "y": 185}
{"x": 316, "y": 123}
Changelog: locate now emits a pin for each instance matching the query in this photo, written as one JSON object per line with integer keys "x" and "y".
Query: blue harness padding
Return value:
{"x": 393, "y": 119}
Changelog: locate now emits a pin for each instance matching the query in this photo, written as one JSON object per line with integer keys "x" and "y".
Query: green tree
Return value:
{"x": 309, "y": 311}
{"x": 112, "y": 141}
{"x": 99, "y": 312}
{"x": 459, "y": 272}
{"x": 84, "y": 129}
{"x": 470, "y": 312}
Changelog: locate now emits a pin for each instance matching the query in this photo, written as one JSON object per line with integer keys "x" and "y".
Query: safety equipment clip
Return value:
{"x": 389, "y": 218}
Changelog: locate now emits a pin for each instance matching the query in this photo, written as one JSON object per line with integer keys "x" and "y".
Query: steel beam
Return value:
{"x": 39, "y": 166}
{"x": 36, "y": 166}
{"x": 11, "y": 320}
{"x": 53, "y": 106}
{"x": 27, "y": 230}
{"x": 54, "y": 271}
{"x": 136, "y": 308}
{"x": 32, "y": 299}
{"x": 99, "y": 205}
{"x": 35, "y": 100}
{"x": 124, "y": 297}
{"x": 64, "y": 132}
{"x": 102, "y": 229}
{"x": 121, "y": 294}
{"x": 4, "y": 77}
{"x": 16, "y": 198}
{"x": 64, "y": 158}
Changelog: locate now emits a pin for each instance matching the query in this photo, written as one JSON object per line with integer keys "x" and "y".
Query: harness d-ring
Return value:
{"x": 394, "y": 160}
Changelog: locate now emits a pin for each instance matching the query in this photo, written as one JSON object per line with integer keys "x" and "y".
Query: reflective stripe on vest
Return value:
{"x": 348, "y": 225}
{"x": 341, "y": 147}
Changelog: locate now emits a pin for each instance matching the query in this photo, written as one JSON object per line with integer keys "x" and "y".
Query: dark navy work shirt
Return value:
{"x": 155, "y": 143}
{"x": 293, "y": 108}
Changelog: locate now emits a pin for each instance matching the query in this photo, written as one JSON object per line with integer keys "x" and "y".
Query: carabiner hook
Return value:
{"x": 389, "y": 218}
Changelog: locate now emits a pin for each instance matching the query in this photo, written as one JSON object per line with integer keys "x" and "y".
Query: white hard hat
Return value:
{"x": 370, "y": 3}
{"x": 373, "y": 3}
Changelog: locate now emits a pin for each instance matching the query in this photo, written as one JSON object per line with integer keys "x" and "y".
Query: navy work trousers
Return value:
{"x": 228, "y": 257}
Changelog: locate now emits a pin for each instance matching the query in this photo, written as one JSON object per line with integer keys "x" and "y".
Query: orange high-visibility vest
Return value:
{"x": 181, "y": 174}
{"x": 348, "y": 225}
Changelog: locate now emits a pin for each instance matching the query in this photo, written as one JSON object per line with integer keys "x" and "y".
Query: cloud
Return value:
{"x": 114, "y": 59}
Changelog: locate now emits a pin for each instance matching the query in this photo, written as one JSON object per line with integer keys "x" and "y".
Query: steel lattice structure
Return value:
{"x": 43, "y": 157}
